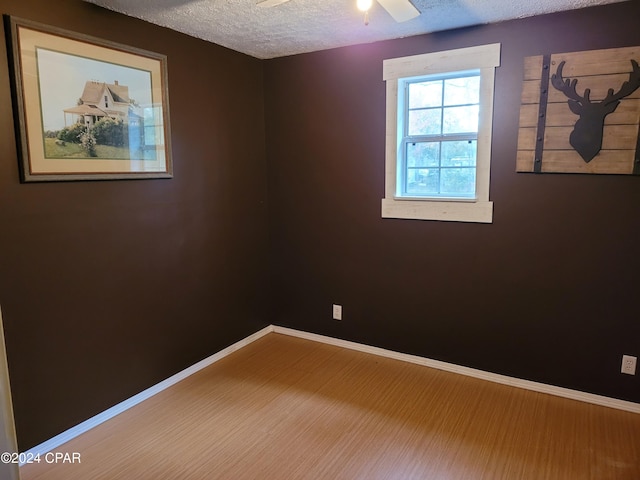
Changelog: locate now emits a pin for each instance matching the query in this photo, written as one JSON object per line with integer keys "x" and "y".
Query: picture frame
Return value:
{"x": 87, "y": 108}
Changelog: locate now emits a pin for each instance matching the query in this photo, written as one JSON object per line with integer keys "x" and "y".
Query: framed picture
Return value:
{"x": 85, "y": 108}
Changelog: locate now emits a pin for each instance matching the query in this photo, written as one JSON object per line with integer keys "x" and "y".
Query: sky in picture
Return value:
{"x": 62, "y": 78}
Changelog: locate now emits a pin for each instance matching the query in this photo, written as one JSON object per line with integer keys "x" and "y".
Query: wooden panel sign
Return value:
{"x": 580, "y": 113}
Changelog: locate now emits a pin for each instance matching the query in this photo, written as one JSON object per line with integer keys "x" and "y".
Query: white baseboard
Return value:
{"x": 470, "y": 372}
{"x": 73, "y": 432}
{"x": 83, "y": 427}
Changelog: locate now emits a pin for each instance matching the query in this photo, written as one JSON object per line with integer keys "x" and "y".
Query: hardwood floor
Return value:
{"x": 287, "y": 408}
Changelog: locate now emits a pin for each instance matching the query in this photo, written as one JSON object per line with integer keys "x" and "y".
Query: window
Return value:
{"x": 439, "y": 136}
{"x": 439, "y": 116}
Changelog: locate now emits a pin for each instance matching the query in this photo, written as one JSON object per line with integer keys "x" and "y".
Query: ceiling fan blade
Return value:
{"x": 400, "y": 10}
{"x": 269, "y": 3}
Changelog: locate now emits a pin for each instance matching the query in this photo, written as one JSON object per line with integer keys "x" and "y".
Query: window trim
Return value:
{"x": 484, "y": 58}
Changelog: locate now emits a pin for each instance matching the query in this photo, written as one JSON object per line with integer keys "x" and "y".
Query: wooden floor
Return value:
{"x": 285, "y": 408}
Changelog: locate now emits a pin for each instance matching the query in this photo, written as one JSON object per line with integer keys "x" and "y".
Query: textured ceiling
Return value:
{"x": 300, "y": 26}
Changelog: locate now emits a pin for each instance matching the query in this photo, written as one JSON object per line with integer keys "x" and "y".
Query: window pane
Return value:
{"x": 441, "y": 108}
{"x": 460, "y": 119}
{"x": 459, "y": 154}
{"x": 462, "y": 91}
{"x": 425, "y": 94}
{"x": 458, "y": 181}
{"x": 425, "y": 122}
{"x": 423, "y": 154}
{"x": 423, "y": 181}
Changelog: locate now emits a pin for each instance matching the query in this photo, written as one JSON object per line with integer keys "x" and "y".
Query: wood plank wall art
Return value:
{"x": 580, "y": 113}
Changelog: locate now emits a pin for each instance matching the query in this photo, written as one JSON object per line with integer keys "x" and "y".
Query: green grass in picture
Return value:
{"x": 74, "y": 150}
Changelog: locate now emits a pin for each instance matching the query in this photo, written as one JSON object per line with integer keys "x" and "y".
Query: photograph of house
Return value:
{"x": 103, "y": 100}
{"x": 85, "y": 97}
{"x": 283, "y": 308}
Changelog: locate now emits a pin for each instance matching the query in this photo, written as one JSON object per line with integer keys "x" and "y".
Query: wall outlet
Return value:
{"x": 337, "y": 312}
{"x": 629, "y": 364}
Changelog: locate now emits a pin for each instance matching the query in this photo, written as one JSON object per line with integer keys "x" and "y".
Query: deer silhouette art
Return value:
{"x": 586, "y": 137}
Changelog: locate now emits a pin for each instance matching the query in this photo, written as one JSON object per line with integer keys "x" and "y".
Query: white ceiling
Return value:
{"x": 300, "y": 26}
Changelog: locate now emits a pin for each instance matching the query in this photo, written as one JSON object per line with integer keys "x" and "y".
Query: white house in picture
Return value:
{"x": 101, "y": 100}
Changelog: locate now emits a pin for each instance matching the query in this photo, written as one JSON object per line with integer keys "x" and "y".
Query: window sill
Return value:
{"x": 436, "y": 199}
{"x": 478, "y": 212}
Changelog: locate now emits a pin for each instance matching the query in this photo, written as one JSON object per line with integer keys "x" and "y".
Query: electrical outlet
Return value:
{"x": 629, "y": 364}
{"x": 337, "y": 312}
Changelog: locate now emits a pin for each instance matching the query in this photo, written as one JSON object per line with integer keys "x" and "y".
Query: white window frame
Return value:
{"x": 484, "y": 58}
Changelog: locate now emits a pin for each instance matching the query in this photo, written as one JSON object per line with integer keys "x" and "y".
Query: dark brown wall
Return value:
{"x": 548, "y": 292}
{"x": 110, "y": 287}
